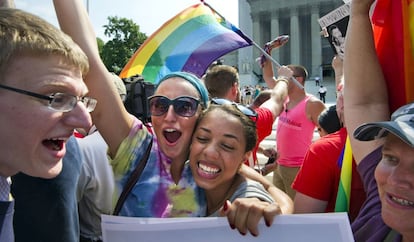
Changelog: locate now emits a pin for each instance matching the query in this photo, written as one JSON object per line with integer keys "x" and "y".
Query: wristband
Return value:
{"x": 283, "y": 78}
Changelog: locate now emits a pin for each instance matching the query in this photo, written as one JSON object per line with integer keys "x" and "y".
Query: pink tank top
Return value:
{"x": 294, "y": 135}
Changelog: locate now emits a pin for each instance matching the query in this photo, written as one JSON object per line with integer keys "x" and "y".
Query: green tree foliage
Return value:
{"x": 101, "y": 43}
{"x": 124, "y": 39}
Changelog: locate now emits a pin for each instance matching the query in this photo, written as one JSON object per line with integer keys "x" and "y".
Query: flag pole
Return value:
{"x": 257, "y": 46}
{"x": 276, "y": 63}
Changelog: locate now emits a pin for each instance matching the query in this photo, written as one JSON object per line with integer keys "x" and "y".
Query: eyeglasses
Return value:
{"x": 184, "y": 106}
{"x": 246, "y": 110}
{"x": 60, "y": 102}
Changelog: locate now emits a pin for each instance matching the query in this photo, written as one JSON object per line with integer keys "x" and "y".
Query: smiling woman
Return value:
{"x": 223, "y": 139}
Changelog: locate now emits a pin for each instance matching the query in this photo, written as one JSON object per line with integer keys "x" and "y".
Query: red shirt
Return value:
{"x": 264, "y": 125}
{"x": 320, "y": 174}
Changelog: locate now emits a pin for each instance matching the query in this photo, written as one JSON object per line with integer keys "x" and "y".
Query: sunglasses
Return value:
{"x": 184, "y": 106}
{"x": 245, "y": 110}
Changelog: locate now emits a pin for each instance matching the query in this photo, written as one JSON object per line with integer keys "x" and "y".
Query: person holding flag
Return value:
{"x": 383, "y": 147}
{"x": 296, "y": 124}
{"x": 165, "y": 188}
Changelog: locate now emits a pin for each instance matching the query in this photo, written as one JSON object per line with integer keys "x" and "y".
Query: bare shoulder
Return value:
{"x": 314, "y": 107}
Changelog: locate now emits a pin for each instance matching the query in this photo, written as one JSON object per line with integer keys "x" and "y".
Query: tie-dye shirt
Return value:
{"x": 155, "y": 194}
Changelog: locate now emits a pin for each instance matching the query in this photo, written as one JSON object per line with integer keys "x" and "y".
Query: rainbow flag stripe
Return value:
{"x": 344, "y": 188}
{"x": 190, "y": 41}
{"x": 393, "y": 25}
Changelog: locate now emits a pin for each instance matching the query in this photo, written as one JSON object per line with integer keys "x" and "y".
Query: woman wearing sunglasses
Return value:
{"x": 165, "y": 187}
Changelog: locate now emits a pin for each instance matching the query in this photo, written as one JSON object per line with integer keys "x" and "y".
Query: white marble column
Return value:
{"x": 316, "y": 41}
{"x": 257, "y": 38}
{"x": 294, "y": 37}
{"x": 274, "y": 32}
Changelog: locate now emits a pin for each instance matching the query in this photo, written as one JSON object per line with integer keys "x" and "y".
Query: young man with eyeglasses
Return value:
{"x": 42, "y": 101}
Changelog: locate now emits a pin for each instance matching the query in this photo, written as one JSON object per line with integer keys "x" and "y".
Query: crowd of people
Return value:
{"x": 198, "y": 155}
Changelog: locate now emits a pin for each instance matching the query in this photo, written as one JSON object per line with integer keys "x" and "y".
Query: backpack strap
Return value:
{"x": 133, "y": 178}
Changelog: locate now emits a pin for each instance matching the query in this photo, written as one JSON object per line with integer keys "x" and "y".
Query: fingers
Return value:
{"x": 278, "y": 41}
{"x": 253, "y": 216}
{"x": 270, "y": 152}
{"x": 269, "y": 168}
{"x": 270, "y": 212}
{"x": 244, "y": 214}
{"x": 224, "y": 211}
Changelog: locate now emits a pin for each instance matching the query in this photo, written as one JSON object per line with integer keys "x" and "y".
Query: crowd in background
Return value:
{"x": 198, "y": 154}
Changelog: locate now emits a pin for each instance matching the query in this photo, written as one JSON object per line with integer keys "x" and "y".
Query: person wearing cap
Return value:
{"x": 388, "y": 211}
{"x": 383, "y": 147}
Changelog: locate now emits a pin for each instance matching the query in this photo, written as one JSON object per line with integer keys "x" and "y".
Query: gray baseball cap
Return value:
{"x": 401, "y": 125}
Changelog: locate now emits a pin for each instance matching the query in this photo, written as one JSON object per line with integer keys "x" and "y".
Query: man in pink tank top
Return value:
{"x": 295, "y": 126}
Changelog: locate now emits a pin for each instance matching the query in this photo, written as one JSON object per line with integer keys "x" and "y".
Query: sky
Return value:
{"x": 148, "y": 14}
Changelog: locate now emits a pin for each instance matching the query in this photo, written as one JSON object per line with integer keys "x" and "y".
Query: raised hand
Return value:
{"x": 274, "y": 44}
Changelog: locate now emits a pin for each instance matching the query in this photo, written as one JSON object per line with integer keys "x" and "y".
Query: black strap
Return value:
{"x": 133, "y": 178}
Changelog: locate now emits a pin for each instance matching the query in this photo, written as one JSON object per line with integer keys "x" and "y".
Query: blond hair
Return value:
{"x": 22, "y": 33}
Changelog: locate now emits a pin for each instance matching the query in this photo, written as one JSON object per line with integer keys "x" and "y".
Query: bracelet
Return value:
{"x": 283, "y": 79}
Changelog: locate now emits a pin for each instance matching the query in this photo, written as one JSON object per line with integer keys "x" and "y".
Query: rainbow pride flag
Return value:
{"x": 393, "y": 26}
{"x": 190, "y": 41}
{"x": 344, "y": 188}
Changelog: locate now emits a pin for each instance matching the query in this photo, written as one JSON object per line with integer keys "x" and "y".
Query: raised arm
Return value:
{"x": 268, "y": 74}
{"x": 277, "y": 98}
{"x": 365, "y": 93}
{"x": 109, "y": 112}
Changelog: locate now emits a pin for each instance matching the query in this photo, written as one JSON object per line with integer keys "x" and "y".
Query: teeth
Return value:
{"x": 208, "y": 169}
{"x": 169, "y": 130}
{"x": 402, "y": 202}
{"x": 56, "y": 143}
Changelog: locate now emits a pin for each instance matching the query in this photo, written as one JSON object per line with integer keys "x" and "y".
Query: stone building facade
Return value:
{"x": 263, "y": 20}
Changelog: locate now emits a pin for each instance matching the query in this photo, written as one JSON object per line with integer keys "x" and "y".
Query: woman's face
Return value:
{"x": 217, "y": 150}
{"x": 395, "y": 178}
{"x": 172, "y": 130}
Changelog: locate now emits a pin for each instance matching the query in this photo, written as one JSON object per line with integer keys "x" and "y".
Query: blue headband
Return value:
{"x": 194, "y": 80}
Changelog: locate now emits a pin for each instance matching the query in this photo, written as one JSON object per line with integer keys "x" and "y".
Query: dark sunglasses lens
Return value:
{"x": 159, "y": 105}
{"x": 185, "y": 107}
